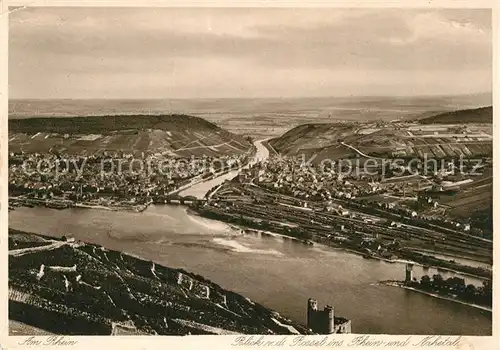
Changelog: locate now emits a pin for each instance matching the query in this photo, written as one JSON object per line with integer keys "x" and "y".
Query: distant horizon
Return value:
{"x": 344, "y": 107}
{"x": 253, "y": 98}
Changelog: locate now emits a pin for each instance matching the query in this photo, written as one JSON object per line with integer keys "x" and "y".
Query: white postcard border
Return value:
{"x": 229, "y": 342}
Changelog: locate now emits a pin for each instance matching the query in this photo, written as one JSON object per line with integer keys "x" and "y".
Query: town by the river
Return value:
{"x": 265, "y": 268}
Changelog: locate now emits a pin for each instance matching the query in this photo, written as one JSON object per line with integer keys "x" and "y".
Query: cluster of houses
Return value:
{"x": 48, "y": 175}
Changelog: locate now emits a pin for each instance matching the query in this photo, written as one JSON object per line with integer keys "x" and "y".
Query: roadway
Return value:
{"x": 358, "y": 151}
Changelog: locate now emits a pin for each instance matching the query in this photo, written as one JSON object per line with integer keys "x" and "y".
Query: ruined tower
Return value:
{"x": 409, "y": 273}
{"x": 312, "y": 308}
{"x": 330, "y": 319}
{"x": 320, "y": 321}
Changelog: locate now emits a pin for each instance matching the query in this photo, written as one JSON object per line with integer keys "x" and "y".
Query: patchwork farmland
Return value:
{"x": 390, "y": 140}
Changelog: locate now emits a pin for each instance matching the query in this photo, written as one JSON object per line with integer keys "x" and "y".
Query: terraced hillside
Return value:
{"x": 465, "y": 195}
{"x": 315, "y": 139}
{"x": 68, "y": 287}
{"x": 177, "y": 135}
{"x": 388, "y": 140}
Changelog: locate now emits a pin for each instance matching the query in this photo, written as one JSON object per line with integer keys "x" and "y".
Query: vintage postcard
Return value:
{"x": 248, "y": 175}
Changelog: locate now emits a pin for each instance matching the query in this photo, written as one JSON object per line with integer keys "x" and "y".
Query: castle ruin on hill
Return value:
{"x": 324, "y": 321}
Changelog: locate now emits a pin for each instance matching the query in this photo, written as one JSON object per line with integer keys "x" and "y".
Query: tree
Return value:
{"x": 455, "y": 284}
{"x": 486, "y": 285}
{"x": 485, "y": 290}
{"x": 470, "y": 291}
{"x": 438, "y": 281}
{"x": 425, "y": 281}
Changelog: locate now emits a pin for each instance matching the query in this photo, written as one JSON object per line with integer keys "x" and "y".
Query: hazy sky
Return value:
{"x": 189, "y": 53}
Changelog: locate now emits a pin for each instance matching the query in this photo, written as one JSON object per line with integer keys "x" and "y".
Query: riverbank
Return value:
{"x": 246, "y": 230}
{"x": 334, "y": 246}
{"x": 434, "y": 295}
{"x": 215, "y": 214}
{"x": 67, "y": 204}
{"x": 241, "y": 229}
{"x": 379, "y": 258}
{"x": 168, "y": 236}
{"x": 484, "y": 262}
{"x": 272, "y": 234}
{"x": 135, "y": 208}
{"x": 64, "y": 203}
{"x": 204, "y": 180}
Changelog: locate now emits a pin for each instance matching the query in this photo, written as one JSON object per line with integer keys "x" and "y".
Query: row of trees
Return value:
{"x": 455, "y": 286}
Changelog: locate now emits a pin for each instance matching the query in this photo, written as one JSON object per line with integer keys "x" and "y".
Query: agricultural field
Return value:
{"x": 86, "y": 289}
{"x": 471, "y": 198}
{"x": 176, "y": 135}
{"x": 391, "y": 140}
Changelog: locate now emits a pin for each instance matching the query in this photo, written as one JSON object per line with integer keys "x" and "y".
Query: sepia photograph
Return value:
{"x": 250, "y": 171}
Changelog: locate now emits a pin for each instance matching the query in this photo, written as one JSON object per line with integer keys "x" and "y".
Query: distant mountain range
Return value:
{"x": 483, "y": 115}
{"x": 258, "y": 117}
{"x": 28, "y": 108}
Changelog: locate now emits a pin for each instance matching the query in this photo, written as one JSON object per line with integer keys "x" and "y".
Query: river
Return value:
{"x": 199, "y": 190}
{"x": 277, "y": 272}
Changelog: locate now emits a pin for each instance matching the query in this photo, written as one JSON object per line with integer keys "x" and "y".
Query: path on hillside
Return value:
{"x": 206, "y": 146}
{"x": 23, "y": 251}
{"x": 227, "y": 143}
{"x": 358, "y": 151}
{"x": 271, "y": 147}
